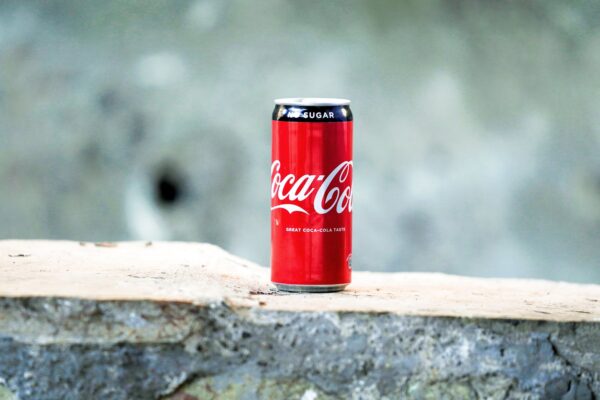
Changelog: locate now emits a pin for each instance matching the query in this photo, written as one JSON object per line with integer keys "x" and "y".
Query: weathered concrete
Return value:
{"x": 184, "y": 321}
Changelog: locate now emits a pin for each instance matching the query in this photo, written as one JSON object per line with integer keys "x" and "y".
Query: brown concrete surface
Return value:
{"x": 202, "y": 273}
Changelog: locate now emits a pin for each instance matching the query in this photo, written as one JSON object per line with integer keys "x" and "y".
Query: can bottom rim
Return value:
{"x": 310, "y": 288}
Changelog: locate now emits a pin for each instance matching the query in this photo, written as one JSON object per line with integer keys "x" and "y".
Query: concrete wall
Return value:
{"x": 477, "y": 131}
{"x": 189, "y": 321}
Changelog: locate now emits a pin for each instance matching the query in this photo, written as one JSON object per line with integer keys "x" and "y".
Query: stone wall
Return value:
{"x": 476, "y": 126}
{"x": 247, "y": 354}
{"x": 189, "y": 321}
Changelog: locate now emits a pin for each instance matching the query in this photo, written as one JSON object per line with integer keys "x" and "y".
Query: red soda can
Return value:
{"x": 311, "y": 195}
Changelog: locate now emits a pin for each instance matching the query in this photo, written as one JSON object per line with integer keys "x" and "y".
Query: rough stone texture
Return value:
{"x": 189, "y": 321}
{"x": 477, "y": 131}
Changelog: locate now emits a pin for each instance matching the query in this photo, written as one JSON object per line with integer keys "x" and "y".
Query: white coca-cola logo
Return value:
{"x": 333, "y": 192}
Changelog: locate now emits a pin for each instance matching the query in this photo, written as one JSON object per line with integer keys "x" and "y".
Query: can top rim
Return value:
{"x": 311, "y": 101}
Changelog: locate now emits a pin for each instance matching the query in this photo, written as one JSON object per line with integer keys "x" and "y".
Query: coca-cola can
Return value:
{"x": 311, "y": 195}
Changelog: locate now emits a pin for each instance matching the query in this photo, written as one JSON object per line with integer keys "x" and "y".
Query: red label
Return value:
{"x": 311, "y": 203}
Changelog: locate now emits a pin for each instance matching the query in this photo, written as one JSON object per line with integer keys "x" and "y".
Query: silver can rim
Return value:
{"x": 284, "y": 287}
{"x": 312, "y": 101}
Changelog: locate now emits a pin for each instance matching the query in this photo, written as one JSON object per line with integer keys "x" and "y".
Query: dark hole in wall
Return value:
{"x": 108, "y": 101}
{"x": 168, "y": 187}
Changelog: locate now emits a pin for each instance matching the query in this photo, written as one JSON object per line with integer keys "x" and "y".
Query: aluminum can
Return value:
{"x": 311, "y": 194}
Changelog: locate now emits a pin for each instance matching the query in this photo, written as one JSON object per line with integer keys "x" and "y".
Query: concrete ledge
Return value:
{"x": 186, "y": 321}
{"x": 199, "y": 274}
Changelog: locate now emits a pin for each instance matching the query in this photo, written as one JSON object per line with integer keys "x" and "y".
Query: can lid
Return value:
{"x": 311, "y": 101}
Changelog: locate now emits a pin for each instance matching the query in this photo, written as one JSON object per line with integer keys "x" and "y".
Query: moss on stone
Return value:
{"x": 6, "y": 394}
{"x": 247, "y": 386}
{"x": 489, "y": 387}
{"x": 440, "y": 390}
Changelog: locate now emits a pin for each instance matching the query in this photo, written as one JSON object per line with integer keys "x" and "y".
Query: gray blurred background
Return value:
{"x": 477, "y": 131}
